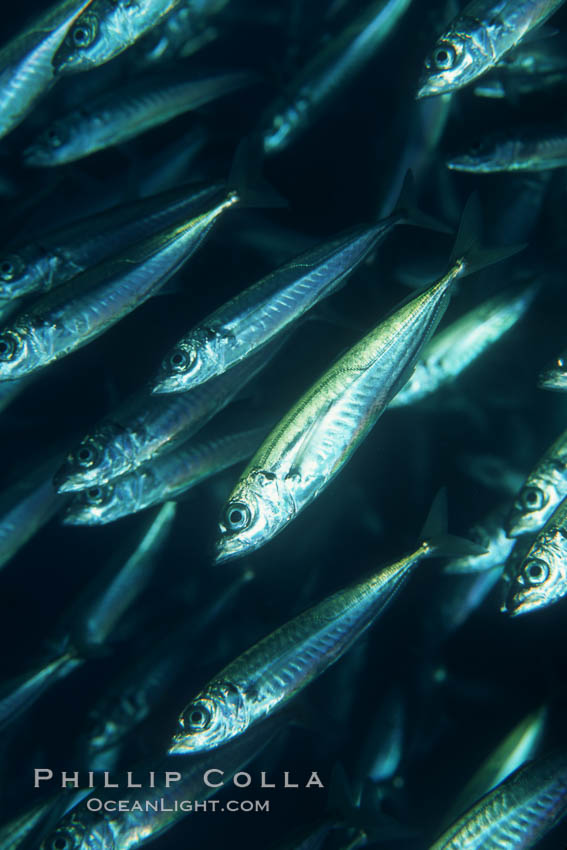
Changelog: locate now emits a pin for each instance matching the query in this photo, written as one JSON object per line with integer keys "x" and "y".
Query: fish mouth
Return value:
{"x": 178, "y": 747}
{"x": 74, "y": 518}
{"x": 228, "y": 549}
{"x": 65, "y": 483}
{"x": 167, "y": 385}
{"x": 551, "y": 381}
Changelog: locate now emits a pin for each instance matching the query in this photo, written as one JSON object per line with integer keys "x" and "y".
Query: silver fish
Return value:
{"x": 106, "y": 599}
{"x": 536, "y": 572}
{"x": 106, "y": 29}
{"x": 124, "y": 113}
{"x": 277, "y": 668}
{"x": 26, "y": 508}
{"x": 456, "y": 347}
{"x": 517, "y": 813}
{"x": 318, "y": 435}
{"x": 26, "y": 69}
{"x": 555, "y": 376}
{"x": 91, "y": 620}
{"x": 490, "y": 534}
{"x": 184, "y": 31}
{"x": 543, "y": 490}
{"x": 518, "y": 746}
{"x": 17, "y": 695}
{"x": 53, "y": 258}
{"x": 328, "y": 72}
{"x": 86, "y": 306}
{"x": 84, "y": 829}
{"x": 148, "y": 426}
{"x": 255, "y": 316}
{"x": 528, "y": 69}
{"x": 513, "y": 151}
{"x": 139, "y": 689}
{"x": 477, "y": 39}
{"x": 166, "y": 477}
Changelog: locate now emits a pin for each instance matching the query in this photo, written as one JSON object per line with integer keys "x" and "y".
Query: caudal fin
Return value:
{"x": 435, "y": 532}
{"x": 246, "y": 176}
{"x": 468, "y": 245}
{"x": 407, "y": 207}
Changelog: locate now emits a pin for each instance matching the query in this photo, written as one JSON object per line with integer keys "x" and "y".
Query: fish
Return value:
{"x": 26, "y": 507}
{"x": 84, "y": 829}
{"x": 542, "y": 491}
{"x": 555, "y": 376}
{"x": 535, "y": 574}
{"x": 122, "y": 113}
{"x": 273, "y": 671}
{"x": 520, "y": 745}
{"x": 532, "y": 67}
{"x": 338, "y": 62}
{"x": 515, "y": 814}
{"x": 384, "y": 742}
{"x": 451, "y": 350}
{"x": 79, "y": 311}
{"x": 477, "y": 39}
{"x": 166, "y": 477}
{"x": 315, "y": 439}
{"x": 522, "y": 150}
{"x": 490, "y": 534}
{"x": 26, "y": 69}
{"x": 16, "y": 833}
{"x": 86, "y": 627}
{"x": 146, "y": 426}
{"x": 54, "y": 257}
{"x": 105, "y": 600}
{"x": 141, "y": 687}
{"x": 19, "y": 694}
{"x": 106, "y": 29}
{"x": 184, "y": 31}
{"x": 255, "y": 316}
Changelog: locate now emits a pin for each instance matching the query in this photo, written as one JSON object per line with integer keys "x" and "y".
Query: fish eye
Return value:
{"x": 197, "y": 718}
{"x": 53, "y": 137}
{"x": 533, "y": 499}
{"x": 182, "y": 360}
{"x": 444, "y": 57}
{"x": 536, "y": 572}
{"x": 10, "y": 268}
{"x": 85, "y": 31}
{"x": 237, "y": 516}
{"x": 86, "y": 456}
{"x": 96, "y": 495}
{"x": 10, "y": 344}
{"x": 476, "y": 146}
{"x": 62, "y": 841}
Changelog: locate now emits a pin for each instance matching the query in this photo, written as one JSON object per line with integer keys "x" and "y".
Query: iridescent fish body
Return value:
{"x": 26, "y": 69}
{"x": 316, "y": 438}
{"x": 106, "y": 29}
{"x": 514, "y": 151}
{"x": 122, "y": 114}
{"x": 543, "y": 490}
{"x": 166, "y": 477}
{"x": 536, "y": 572}
{"x": 517, "y": 813}
{"x": 330, "y": 70}
{"x": 277, "y": 668}
{"x": 453, "y": 349}
{"x": 53, "y": 258}
{"x": 478, "y": 38}
{"x": 147, "y": 426}
{"x": 85, "y": 307}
